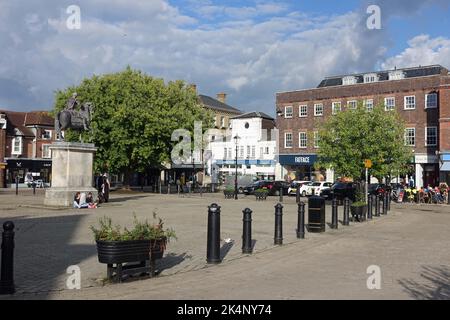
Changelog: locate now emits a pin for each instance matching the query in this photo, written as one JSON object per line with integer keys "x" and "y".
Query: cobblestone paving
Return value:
{"x": 48, "y": 241}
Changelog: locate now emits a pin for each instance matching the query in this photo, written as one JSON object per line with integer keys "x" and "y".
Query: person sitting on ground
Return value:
{"x": 79, "y": 201}
{"x": 90, "y": 201}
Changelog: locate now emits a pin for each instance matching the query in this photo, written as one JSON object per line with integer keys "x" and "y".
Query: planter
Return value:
{"x": 229, "y": 194}
{"x": 261, "y": 195}
{"x": 141, "y": 252}
{"x": 359, "y": 213}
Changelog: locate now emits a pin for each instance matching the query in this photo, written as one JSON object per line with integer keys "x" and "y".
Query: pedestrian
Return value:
{"x": 106, "y": 187}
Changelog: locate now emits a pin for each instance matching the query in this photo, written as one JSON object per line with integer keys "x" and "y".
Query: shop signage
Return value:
{"x": 426, "y": 158}
{"x": 299, "y": 160}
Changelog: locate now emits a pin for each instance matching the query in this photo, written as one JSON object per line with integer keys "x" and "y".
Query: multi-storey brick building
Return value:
{"x": 421, "y": 95}
{"x": 25, "y": 138}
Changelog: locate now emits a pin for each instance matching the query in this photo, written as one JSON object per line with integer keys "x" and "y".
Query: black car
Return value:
{"x": 279, "y": 186}
{"x": 377, "y": 188}
{"x": 342, "y": 190}
{"x": 250, "y": 189}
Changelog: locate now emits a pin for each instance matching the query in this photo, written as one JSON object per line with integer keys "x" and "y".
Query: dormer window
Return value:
{"x": 396, "y": 75}
{"x": 47, "y": 134}
{"x": 17, "y": 145}
{"x": 2, "y": 121}
{"x": 371, "y": 77}
{"x": 349, "y": 80}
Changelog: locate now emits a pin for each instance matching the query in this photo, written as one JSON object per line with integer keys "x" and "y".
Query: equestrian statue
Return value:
{"x": 71, "y": 118}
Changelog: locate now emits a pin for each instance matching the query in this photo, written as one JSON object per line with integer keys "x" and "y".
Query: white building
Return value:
{"x": 256, "y": 148}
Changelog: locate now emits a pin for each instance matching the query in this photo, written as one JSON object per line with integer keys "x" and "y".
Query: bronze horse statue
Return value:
{"x": 73, "y": 119}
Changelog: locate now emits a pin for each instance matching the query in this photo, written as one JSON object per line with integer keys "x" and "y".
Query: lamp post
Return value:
{"x": 236, "y": 141}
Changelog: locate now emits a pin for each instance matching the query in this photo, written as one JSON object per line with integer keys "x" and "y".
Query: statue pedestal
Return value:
{"x": 72, "y": 165}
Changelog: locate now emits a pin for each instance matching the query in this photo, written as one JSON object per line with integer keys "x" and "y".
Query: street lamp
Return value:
{"x": 236, "y": 141}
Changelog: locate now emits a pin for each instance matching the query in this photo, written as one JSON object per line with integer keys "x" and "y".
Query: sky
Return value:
{"x": 249, "y": 49}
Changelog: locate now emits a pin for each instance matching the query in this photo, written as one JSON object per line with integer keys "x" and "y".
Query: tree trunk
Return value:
{"x": 127, "y": 179}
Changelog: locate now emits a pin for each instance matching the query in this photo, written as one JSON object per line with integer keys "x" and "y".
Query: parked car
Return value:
{"x": 342, "y": 190}
{"x": 319, "y": 187}
{"x": 251, "y": 188}
{"x": 279, "y": 186}
{"x": 377, "y": 188}
{"x": 295, "y": 185}
{"x": 305, "y": 190}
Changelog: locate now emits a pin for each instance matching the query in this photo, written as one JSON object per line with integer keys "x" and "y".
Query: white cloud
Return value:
{"x": 423, "y": 50}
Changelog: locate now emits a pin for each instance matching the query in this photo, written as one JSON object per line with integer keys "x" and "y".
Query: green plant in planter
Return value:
{"x": 142, "y": 230}
{"x": 360, "y": 197}
{"x": 263, "y": 190}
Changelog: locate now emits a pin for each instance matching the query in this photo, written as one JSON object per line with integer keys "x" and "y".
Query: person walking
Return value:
{"x": 106, "y": 187}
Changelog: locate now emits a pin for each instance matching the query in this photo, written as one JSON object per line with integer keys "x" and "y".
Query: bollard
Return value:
{"x": 301, "y": 221}
{"x": 346, "y": 221}
{"x": 278, "y": 240}
{"x": 377, "y": 205}
{"x": 448, "y": 197}
{"x": 7, "y": 266}
{"x": 382, "y": 203}
{"x": 247, "y": 232}
{"x": 213, "y": 246}
{"x": 334, "y": 214}
{"x": 34, "y": 188}
{"x": 17, "y": 186}
{"x": 369, "y": 208}
{"x": 386, "y": 203}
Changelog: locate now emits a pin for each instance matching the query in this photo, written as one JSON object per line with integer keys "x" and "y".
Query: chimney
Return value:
{"x": 222, "y": 97}
{"x": 193, "y": 87}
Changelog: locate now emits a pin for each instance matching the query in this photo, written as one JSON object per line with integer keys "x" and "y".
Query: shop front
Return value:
{"x": 28, "y": 169}
{"x": 300, "y": 167}
{"x": 427, "y": 170}
{"x": 445, "y": 168}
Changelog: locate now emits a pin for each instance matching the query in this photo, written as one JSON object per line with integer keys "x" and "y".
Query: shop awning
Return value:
{"x": 445, "y": 166}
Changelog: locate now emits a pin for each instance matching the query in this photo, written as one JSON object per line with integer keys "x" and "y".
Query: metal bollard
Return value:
{"x": 382, "y": 203}
{"x": 377, "y": 206}
{"x": 17, "y": 186}
{"x": 386, "y": 203}
{"x": 247, "y": 232}
{"x": 34, "y": 188}
{"x": 278, "y": 240}
{"x": 334, "y": 214}
{"x": 346, "y": 221}
{"x": 369, "y": 208}
{"x": 301, "y": 221}
{"x": 389, "y": 201}
{"x": 213, "y": 245}
{"x": 281, "y": 195}
{"x": 7, "y": 267}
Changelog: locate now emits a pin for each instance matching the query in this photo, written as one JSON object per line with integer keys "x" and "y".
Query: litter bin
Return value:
{"x": 316, "y": 214}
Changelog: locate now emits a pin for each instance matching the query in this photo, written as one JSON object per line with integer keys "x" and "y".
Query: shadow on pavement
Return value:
{"x": 124, "y": 199}
{"x": 43, "y": 252}
{"x": 435, "y": 287}
{"x": 170, "y": 261}
{"x": 225, "y": 249}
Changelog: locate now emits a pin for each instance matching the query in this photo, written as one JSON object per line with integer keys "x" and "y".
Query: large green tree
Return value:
{"x": 134, "y": 117}
{"x": 350, "y": 137}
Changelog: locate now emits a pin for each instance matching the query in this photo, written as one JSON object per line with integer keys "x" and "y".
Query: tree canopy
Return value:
{"x": 134, "y": 117}
{"x": 350, "y": 137}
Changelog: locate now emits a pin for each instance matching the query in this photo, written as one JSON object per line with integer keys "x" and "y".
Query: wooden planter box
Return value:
{"x": 130, "y": 257}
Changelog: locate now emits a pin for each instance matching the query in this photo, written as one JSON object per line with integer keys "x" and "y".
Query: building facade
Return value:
{"x": 421, "y": 95}
{"x": 254, "y": 149}
{"x": 25, "y": 139}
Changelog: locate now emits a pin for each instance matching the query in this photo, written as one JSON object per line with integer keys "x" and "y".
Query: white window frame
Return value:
{"x": 370, "y": 78}
{"x": 396, "y": 75}
{"x": 386, "y": 107}
{"x": 222, "y": 122}
{"x": 253, "y": 152}
{"x": 303, "y": 111}
{"x": 349, "y": 80}
{"x": 44, "y": 155}
{"x": 426, "y": 137}
{"x": 13, "y": 150}
{"x": 366, "y": 102}
{"x": 303, "y": 138}
{"x": 352, "y": 102}
{"x": 316, "y": 139}
{"x": 289, "y": 115}
{"x": 407, "y": 137}
{"x": 286, "y": 140}
{"x": 334, "y": 109}
{"x": 426, "y": 101}
{"x": 317, "y": 114}
{"x": 225, "y": 151}
{"x": 49, "y": 134}
{"x": 407, "y": 106}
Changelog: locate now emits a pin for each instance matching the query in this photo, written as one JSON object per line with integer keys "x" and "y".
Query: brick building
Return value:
{"x": 25, "y": 138}
{"x": 421, "y": 95}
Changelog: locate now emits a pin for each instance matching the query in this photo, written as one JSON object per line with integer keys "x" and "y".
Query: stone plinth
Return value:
{"x": 72, "y": 165}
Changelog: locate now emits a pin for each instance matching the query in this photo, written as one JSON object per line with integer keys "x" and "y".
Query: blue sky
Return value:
{"x": 249, "y": 49}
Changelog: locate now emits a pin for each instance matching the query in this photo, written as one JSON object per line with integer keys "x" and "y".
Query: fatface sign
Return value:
{"x": 423, "y": 159}
{"x": 299, "y": 160}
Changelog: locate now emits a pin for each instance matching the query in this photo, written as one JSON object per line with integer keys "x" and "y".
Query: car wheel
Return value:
{"x": 241, "y": 191}
{"x": 304, "y": 194}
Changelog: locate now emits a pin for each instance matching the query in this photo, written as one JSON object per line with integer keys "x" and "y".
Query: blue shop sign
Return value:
{"x": 446, "y": 157}
{"x": 298, "y": 160}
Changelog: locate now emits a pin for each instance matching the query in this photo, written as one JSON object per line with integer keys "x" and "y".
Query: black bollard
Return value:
{"x": 17, "y": 186}
{"x": 7, "y": 272}
{"x": 369, "y": 208}
{"x": 389, "y": 201}
{"x": 386, "y": 203}
{"x": 377, "y": 206}
{"x": 382, "y": 203}
{"x": 247, "y": 232}
{"x": 346, "y": 221}
{"x": 213, "y": 246}
{"x": 448, "y": 197}
{"x": 281, "y": 194}
{"x": 334, "y": 214}
{"x": 278, "y": 224}
{"x": 34, "y": 188}
{"x": 301, "y": 221}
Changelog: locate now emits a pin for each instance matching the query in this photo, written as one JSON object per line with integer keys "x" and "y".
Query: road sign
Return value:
{"x": 368, "y": 163}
